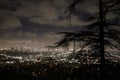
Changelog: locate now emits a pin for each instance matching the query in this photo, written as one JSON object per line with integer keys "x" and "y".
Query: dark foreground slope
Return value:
{"x": 58, "y": 71}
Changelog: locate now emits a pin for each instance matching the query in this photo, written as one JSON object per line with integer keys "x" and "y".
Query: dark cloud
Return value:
{"x": 38, "y": 20}
{"x": 10, "y": 5}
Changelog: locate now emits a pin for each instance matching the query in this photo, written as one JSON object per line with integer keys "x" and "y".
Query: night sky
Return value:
{"x": 34, "y": 23}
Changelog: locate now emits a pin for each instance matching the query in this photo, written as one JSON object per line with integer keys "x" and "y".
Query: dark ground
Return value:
{"x": 58, "y": 71}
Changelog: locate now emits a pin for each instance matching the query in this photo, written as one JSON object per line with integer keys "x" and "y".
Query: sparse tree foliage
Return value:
{"x": 99, "y": 36}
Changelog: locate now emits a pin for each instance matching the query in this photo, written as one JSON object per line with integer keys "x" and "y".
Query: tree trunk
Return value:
{"x": 101, "y": 39}
{"x": 101, "y": 33}
{"x": 74, "y": 46}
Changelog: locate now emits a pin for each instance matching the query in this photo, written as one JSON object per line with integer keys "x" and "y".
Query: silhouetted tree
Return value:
{"x": 101, "y": 33}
